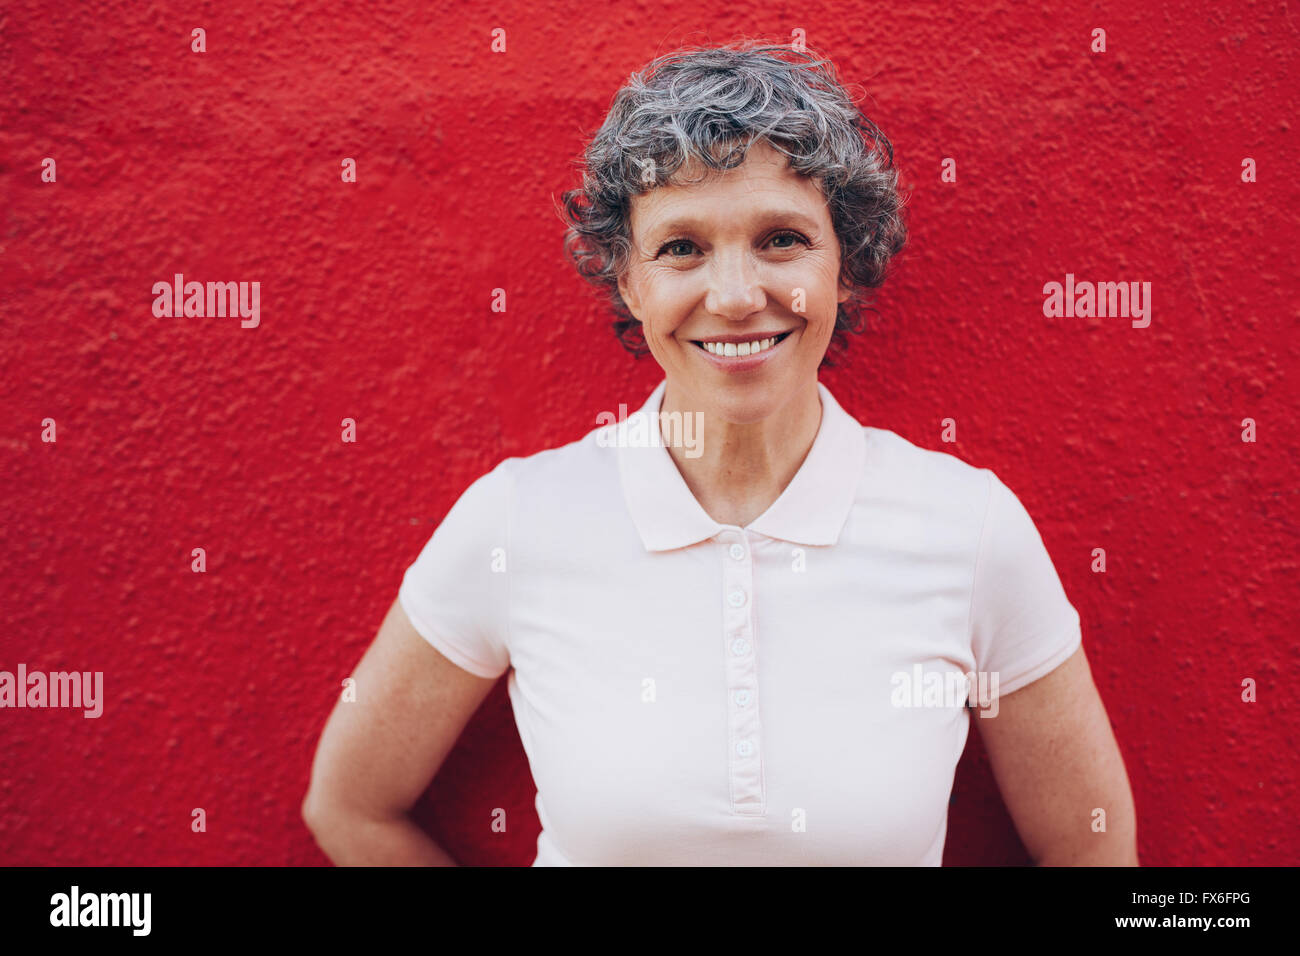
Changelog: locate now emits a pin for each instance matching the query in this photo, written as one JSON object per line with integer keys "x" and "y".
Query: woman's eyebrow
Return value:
{"x": 760, "y": 220}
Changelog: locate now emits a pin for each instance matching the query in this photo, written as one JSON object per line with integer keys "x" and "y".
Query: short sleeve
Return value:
{"x": 1022, "y": 624}
{"x": 456, "y": 593}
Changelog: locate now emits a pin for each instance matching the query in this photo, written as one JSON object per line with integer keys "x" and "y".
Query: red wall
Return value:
{"x": 176, "y": 433}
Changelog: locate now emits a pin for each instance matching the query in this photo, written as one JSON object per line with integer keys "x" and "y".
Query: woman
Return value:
{"x": 754, "y": 646}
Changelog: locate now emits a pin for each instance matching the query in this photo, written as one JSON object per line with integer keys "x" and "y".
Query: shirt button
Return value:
{"x": 744, "y": 748}
{"x": 740, "y": 646}
{"x": 742, "y": 697}
{"x": 737, "y": 551}
{"x": 736, "y": 598}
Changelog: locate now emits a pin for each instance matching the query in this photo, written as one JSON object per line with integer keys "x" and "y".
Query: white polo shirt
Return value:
{"x": 694, "y": 693}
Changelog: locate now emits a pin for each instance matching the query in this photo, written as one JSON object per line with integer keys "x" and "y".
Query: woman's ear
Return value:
{"x": 846, "y": 290}
{"x": 629, "y": 298}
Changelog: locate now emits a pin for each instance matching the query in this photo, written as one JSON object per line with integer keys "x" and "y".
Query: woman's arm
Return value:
{"x": 378, "y": 753}
{"x": 1056, "y": 762}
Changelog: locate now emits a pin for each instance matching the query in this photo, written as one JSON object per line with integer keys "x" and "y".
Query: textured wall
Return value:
{"x": 177, "y": 433}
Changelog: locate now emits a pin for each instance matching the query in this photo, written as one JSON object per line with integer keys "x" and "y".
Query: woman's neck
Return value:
{"x": 741, "y": 469}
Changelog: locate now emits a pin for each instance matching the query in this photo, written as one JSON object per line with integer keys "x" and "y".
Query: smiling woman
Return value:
{"x": 702, "y": 643}
{"x": 736, "y": 305}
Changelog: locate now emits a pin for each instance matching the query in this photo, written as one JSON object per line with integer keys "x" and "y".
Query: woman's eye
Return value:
{"x": 674, "y": 244}
{"x": 680, "y": 248}
{"x": 789, "y": 235}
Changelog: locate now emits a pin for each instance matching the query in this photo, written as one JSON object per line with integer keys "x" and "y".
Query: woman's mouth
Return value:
{"x": 742, "y": 349}
{"x": 741, "y": 356}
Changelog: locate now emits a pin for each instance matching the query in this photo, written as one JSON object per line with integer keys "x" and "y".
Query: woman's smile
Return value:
{"x": 741, "y": 353}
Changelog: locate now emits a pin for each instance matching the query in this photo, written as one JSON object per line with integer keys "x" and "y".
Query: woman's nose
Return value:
{"x": 735, "y": 285}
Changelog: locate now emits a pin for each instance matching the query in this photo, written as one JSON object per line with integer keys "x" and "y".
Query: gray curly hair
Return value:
{"x": 713, "y": 103}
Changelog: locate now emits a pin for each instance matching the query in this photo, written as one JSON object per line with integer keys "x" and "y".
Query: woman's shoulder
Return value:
{"x": 573, "y": 467}
{"x": 925, "y": 470}
{"x": 944, "y": 483}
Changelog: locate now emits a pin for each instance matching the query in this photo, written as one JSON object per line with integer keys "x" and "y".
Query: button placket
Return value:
{"x": 744, "y": 742}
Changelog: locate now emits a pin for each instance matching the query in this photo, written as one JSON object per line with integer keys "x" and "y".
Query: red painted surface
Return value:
{"x": 375, "y": 305}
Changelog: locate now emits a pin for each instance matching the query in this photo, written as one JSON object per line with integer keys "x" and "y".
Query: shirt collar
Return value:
{"x": 811, "y": 510}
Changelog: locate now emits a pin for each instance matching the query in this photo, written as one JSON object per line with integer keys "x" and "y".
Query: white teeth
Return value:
{"x": 744, "y": 348}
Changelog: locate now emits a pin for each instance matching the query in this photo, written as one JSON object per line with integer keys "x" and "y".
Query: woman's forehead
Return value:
{"x": 762, "y": 192}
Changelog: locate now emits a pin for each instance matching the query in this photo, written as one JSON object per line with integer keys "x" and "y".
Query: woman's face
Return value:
{"x": 746, "y": 255}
